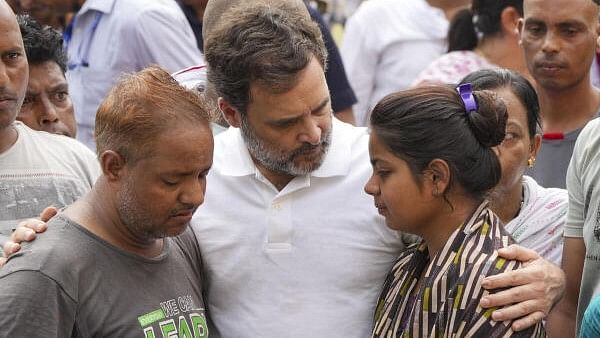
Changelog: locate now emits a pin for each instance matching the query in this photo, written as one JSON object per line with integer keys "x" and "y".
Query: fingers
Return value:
{"x": 10, "y": 248}
{"x": 513, "y": 278}
{"x": 48, "y": 213}
{"x": 519, "y": 253}
{"x": 518, "y": 310}
{"x": 528, "y": 321}
{"x": 22, "y": 234}
{"x": 535, "y": 292}
{"x": 33, "y": 224}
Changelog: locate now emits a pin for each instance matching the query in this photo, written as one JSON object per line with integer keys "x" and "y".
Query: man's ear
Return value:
{"x": 231, "y": 115}
{"x": 112, "y": 165}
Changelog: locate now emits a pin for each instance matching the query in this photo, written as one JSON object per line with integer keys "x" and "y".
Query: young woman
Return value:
{"x": 433, "y": 164}
{"x": 533, "y": 215}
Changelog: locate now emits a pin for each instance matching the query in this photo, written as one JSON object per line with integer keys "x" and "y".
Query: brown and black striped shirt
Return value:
{"x": 447, "y": 301}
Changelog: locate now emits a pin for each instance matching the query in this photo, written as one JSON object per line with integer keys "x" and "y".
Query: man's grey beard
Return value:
{"x": 271, "y": 157}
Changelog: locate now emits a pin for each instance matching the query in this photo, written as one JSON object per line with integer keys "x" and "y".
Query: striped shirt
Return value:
{"x": 446, "y": 303}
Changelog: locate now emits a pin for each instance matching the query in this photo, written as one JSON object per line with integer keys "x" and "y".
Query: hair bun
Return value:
{"x": 488, "y": 123}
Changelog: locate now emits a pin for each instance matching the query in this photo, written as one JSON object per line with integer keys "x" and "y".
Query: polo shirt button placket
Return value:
{"x": 279, "y": 229}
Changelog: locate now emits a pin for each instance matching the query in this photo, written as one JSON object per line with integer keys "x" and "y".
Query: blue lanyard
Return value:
{"x": 82, "y": 56}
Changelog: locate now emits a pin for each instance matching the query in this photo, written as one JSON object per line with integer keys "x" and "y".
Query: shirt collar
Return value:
{"x": 104, "y": 6}
{"x": 236, "y": 160}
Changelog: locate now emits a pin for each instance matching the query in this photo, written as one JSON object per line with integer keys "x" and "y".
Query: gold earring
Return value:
{"x": 531, "y": 162}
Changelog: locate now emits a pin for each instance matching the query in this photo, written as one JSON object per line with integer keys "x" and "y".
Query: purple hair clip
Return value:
{"x": 466, "y": 94}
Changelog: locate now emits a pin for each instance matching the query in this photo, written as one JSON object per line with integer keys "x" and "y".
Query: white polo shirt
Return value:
{"x": 307, "y": 261}
{"x": 129, "y": 35}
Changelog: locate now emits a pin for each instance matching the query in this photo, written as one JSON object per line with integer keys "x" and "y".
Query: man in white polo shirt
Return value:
{"x": 292, "y": 245}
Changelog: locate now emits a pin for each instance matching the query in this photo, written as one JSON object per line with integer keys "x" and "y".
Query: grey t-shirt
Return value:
{"x": 552, "y": 161}
{"x": 71, "y": 283}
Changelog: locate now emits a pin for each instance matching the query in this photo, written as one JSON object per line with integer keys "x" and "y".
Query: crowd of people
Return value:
{"x": 222, "y": 168}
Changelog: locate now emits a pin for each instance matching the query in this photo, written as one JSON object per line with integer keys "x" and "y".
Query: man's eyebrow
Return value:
{"x": 571, "y": 23}
{"x": 179, "y": 173}
{"x": 533, "y": 21}
{"x": 321, "y": 105}
{"x": 291, "y": 119}
{"x": 61, "y": 86}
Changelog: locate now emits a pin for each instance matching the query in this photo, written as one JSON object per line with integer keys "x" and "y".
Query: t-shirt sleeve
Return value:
{"x": 576, "y": 212}
{"x": 34, "y": 305}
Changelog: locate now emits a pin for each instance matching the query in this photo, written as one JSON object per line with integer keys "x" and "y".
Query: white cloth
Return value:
{"x": 42, "y": 170}
{"x": 387, "y": 43}
{"x": 307, "y": 261}
{"x": 539, "y": 225}
{"x": 452, "y": 67}
{"x": 130, "y": 35}
{"x": 583, "y": 216}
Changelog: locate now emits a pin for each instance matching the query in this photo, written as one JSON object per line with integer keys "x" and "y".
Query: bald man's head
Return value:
{"x": 216, "y": 8}
{"x": 14, "y": 70}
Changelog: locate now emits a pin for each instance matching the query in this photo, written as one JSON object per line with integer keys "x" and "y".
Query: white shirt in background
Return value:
{"x": 387, "y": 43}
{"x": 130, "y": 35}
{"x": 307, "y": 261}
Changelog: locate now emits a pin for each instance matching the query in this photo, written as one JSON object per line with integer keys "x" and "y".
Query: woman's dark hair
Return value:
{"x": 427, "y": 123}
{"x": 492, "y": 79}
{"x": 481, "y": 20}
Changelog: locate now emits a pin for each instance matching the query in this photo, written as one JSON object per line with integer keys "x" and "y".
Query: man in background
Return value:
{"x": 37, "y": 169}
{"x": 47, "y": 105}
{"x": 558, "y": 38}
{"x": 108, "y": 38}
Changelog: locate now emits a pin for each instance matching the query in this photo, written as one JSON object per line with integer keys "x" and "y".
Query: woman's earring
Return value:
{"x": 531, "y": 162}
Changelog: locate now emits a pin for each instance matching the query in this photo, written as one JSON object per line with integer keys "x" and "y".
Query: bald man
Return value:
{"x": 559, "y": 42}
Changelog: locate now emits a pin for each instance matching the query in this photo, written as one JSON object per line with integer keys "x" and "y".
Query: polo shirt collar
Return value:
{"x": 238, "y": 162}
{"x": 104, "y": 6}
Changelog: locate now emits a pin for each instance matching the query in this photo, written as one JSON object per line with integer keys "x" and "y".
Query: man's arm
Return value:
{"x": 562, "y": 320}
{"x": 34, "y": 305}
{"x": 533, "y": 289}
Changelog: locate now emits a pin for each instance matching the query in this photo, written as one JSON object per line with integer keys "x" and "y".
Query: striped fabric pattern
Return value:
{"x": 447, "y": 301}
